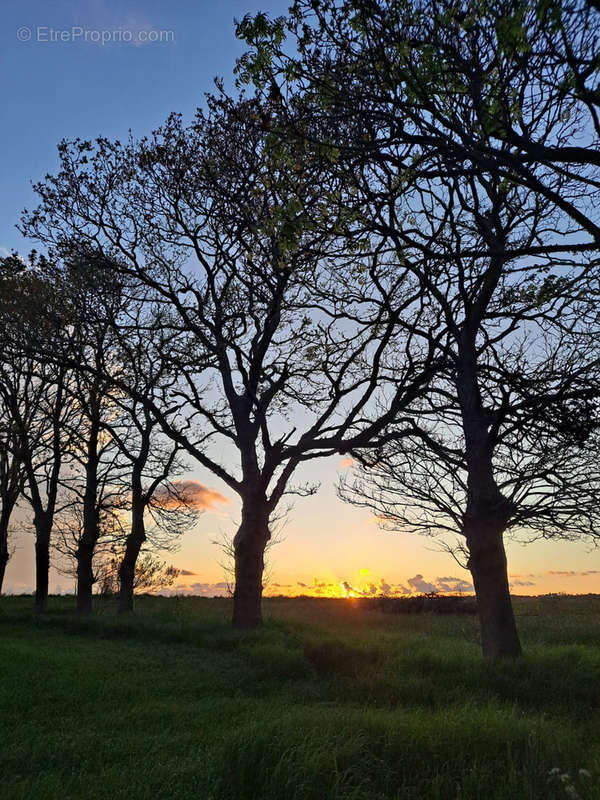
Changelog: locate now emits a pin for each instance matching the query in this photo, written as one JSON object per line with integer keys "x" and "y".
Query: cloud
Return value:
{"x": 572, "y": 573}
{"x": 194, "y": 493}
{"x": 350, "y": 590}
{"x": 324, "y": 588}
{"x": 186, "y": 572}
{"x": 417, "y": 584}
{"x": 451, "y": 585}
{"x": 521, "y": 582}
{"x": 199, "y": 589}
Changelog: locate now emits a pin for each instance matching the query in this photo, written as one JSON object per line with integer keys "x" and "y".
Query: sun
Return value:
{"x": 364, "y": 571}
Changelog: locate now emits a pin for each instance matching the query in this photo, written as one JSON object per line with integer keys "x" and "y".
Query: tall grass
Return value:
{"x": 328, "y": 701}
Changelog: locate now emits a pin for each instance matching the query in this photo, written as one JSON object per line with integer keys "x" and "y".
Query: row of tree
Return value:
{"x": 88, "y": 459}
{"x": 389, "y": 249}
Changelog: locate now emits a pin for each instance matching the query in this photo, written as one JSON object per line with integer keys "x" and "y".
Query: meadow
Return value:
{"x": 331, "y": 700}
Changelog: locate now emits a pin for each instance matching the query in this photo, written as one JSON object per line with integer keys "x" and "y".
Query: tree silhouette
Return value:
{"x": 457, "y": 144}
{"x": 266, "y": 316}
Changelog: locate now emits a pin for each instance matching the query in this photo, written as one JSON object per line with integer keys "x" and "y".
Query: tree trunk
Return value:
{"x": 249, "y": 552}
{"x": 91, "y": 521}
{"x": 4, "y": 554}
{"x": 487, "y": 563}
{"x": 85, "y": 556}
{"x": 487, "y": 515}
{"x": 42, "y": 562}
{"x": 133, "y": 545}
{"x": 85, "y": 576}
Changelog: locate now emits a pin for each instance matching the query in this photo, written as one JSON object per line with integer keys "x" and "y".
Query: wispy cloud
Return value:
{"x": 568, "y": 573}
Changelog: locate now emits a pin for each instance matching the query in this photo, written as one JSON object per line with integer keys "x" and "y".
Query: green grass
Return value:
{"x": 328, "y": 701}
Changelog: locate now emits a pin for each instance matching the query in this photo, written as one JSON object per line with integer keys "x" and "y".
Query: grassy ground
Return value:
{"x": 328, "y": 701}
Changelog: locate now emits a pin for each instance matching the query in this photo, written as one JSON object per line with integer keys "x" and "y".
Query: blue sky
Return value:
{"x": 55, "y": 89}
{"x": 78, "y": 88}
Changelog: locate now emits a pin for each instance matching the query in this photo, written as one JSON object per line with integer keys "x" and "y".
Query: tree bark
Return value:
{"x": 85, "y": 576}
{"x": 11, "y": 489}
{"x": 43, "y": 526}
{"x": 488, "y": 566}
{"x": 91, "y": 521}
{"x": 249, "y": 551}
{"x": 133, "y": 545}
{"x": 486, "y": 517}
{"x": 4, "y": 554}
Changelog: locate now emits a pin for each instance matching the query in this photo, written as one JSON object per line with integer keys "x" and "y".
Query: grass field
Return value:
{"x": 329, "y": 700}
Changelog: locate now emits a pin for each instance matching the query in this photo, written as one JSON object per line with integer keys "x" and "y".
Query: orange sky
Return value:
{"x": 327, "y": 543}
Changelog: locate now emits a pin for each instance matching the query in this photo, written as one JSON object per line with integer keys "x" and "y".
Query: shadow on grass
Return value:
{"x": 382, "y": 669}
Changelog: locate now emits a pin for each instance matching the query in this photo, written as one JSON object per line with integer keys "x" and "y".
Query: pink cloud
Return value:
{"x": 193, "y": 493}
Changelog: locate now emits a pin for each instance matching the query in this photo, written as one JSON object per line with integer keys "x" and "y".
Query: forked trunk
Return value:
{"x": 249, "y": 551}
{"x": 487, "y": 563}
{"x": 133, "y": 545}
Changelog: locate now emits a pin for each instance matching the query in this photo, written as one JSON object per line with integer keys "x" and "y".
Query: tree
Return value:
{"x": 12, "y": 474}
{"x": 154, "y": 461}
{"x": 34, "y": 395}
{"x": 151, "y": 574}
{"x": 414, "y": 100}
{"x": 526, "y": 72}
{"x": 91, "y": 297}
{"x": 12, "y": 478}
{"x": 279, "y": 348}
{"x": 111, "y": 440}
{"x": 507, "y": 437}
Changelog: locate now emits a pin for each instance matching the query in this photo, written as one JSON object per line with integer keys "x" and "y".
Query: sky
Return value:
{"x": 85, "y": 68}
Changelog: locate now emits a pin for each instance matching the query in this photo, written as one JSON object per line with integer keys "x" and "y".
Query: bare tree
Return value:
{"x": 120, "y": 460}
{"x": 154, "y": 462}
{"x": 93, "y": 298}
{"x": 151, "y": 574}
{"x": 35, "y": 397}
{"x": 12, "y": 478}
{"x": 506, "y": 438}
{"x": 279, "y": 346}
{"x": 12, "y": 474}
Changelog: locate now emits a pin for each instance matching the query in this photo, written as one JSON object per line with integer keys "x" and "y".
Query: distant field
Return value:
{"x": 329, "y": 701}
